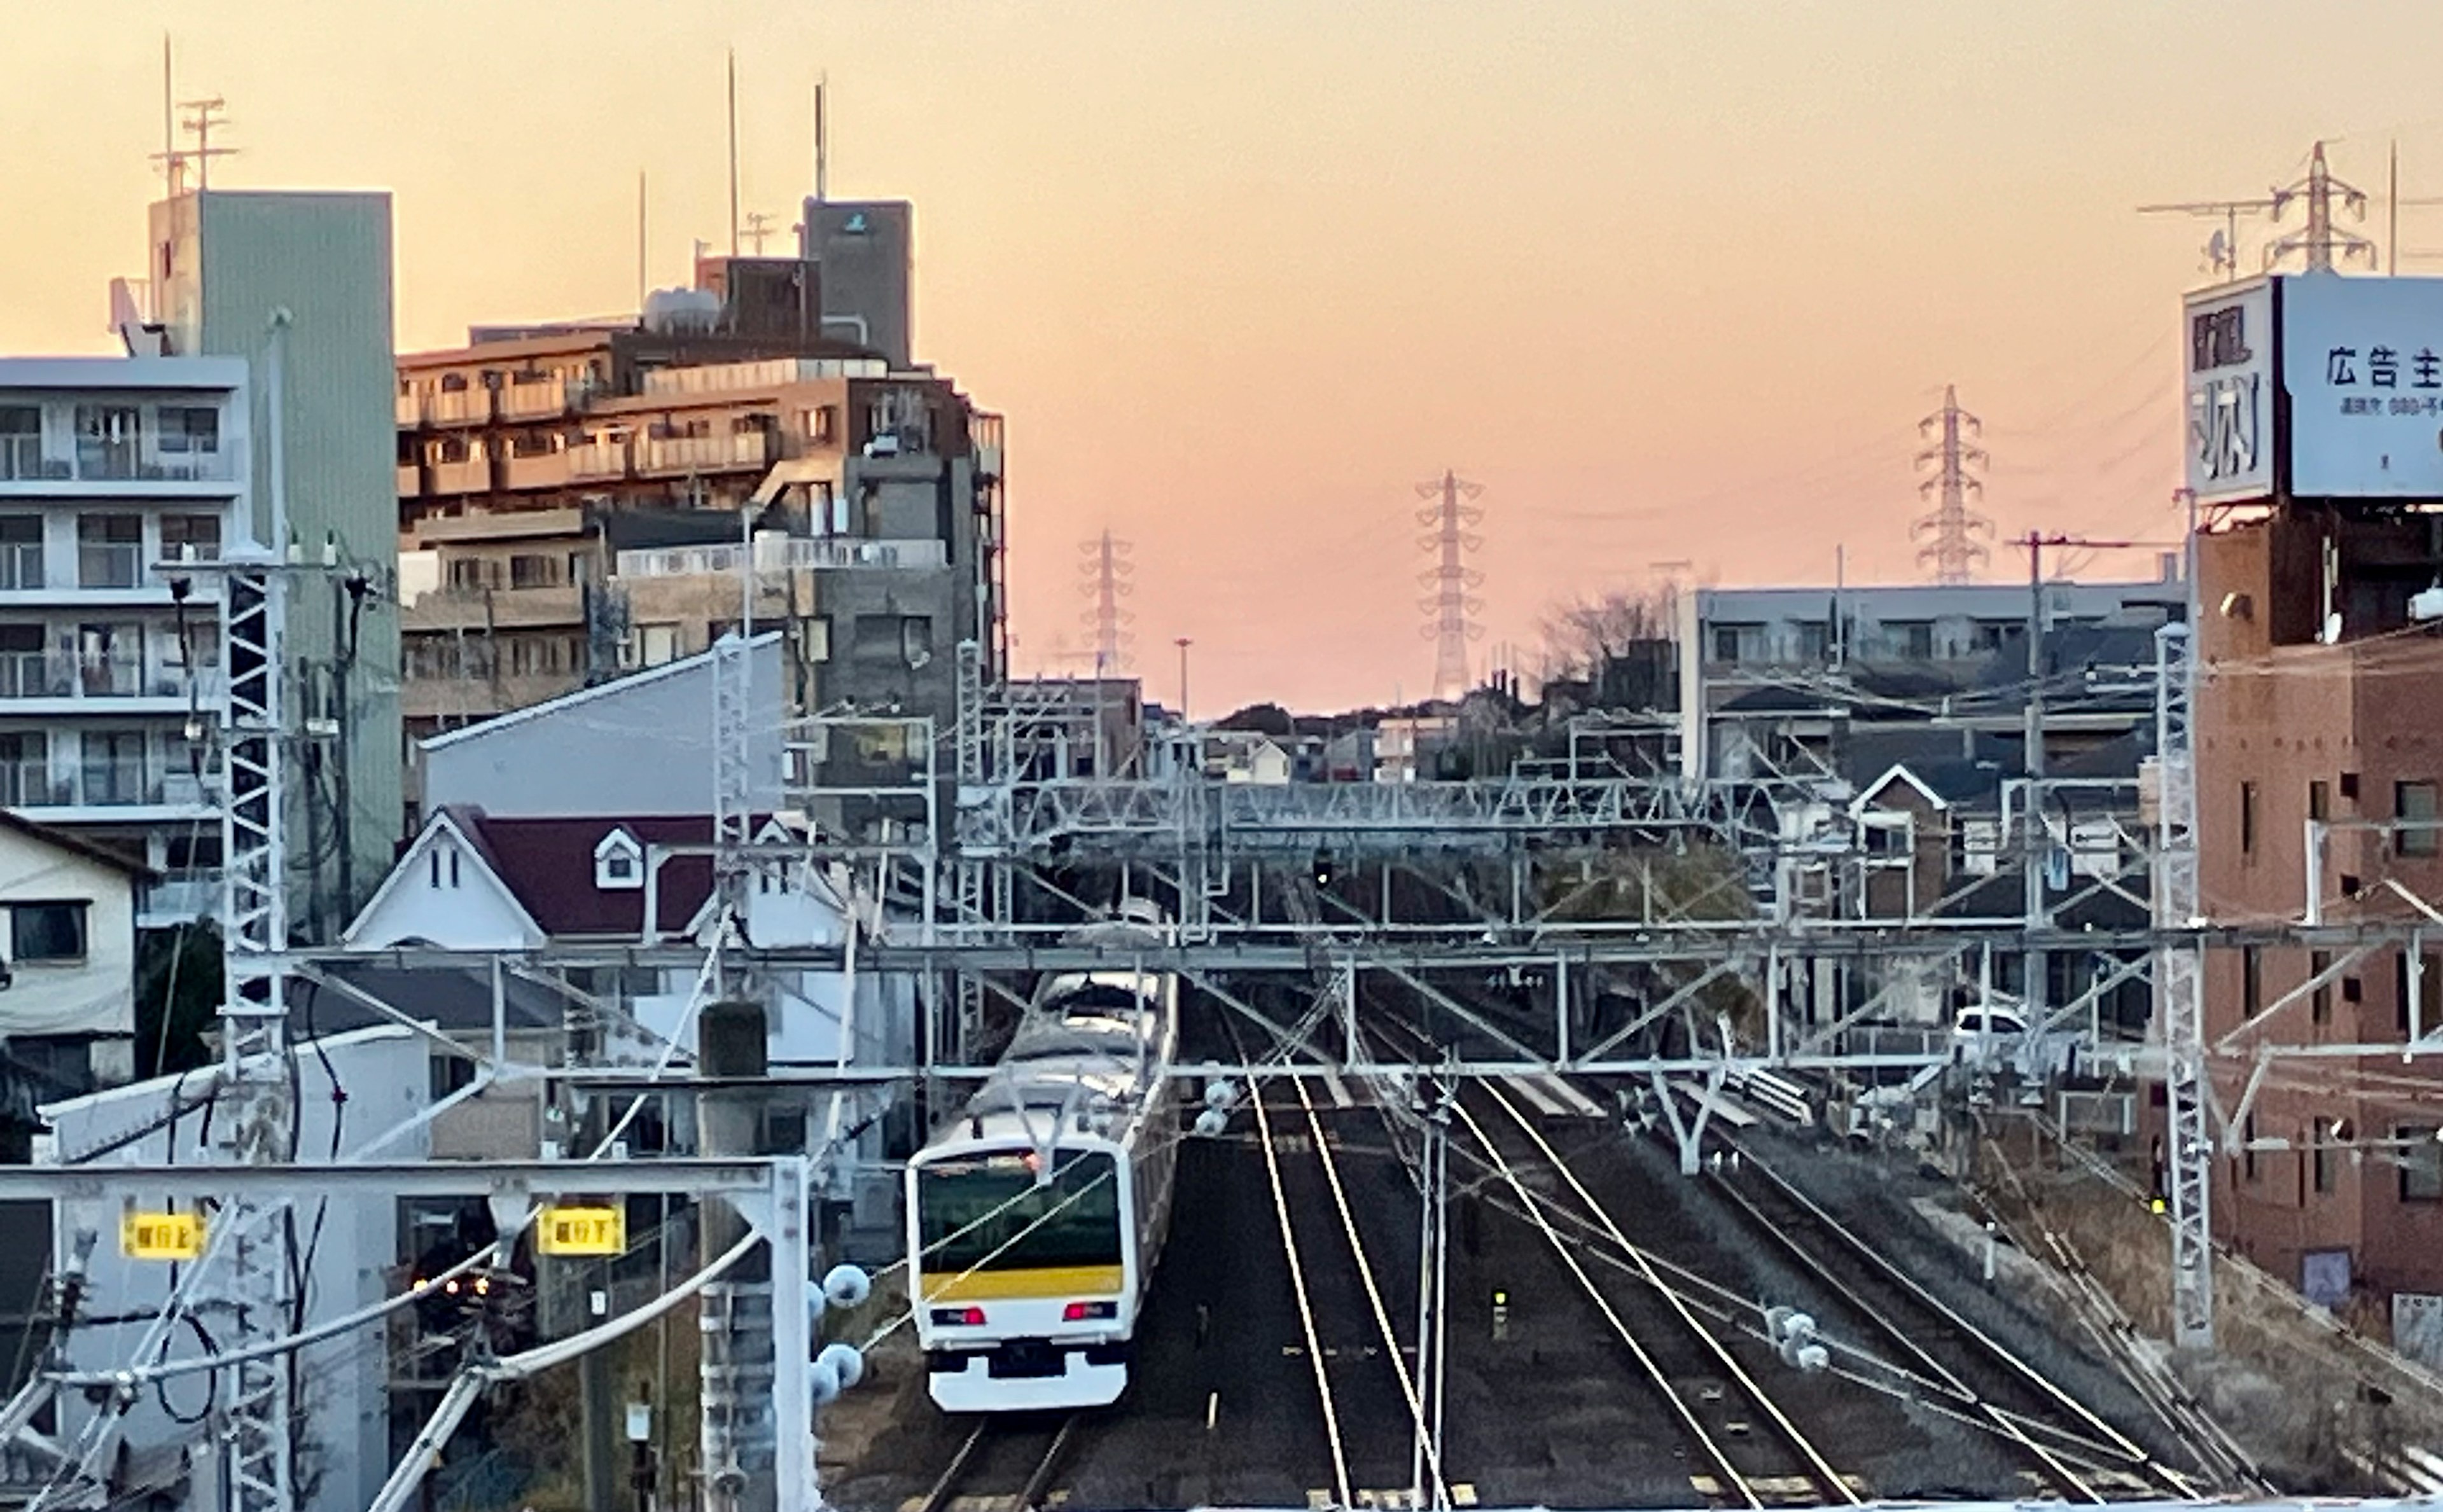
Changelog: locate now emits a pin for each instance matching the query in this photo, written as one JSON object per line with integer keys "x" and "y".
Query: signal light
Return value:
{"x": 958, "y": 1317}
{"x": 1078, "y": 1312}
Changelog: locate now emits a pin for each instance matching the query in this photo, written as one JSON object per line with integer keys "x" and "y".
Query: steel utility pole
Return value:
{"x": 1949, "y": 531}
{"x": 1182, "y": 642}
{"x": 2032, "y": 965}
{"x": 1451, "y": 580}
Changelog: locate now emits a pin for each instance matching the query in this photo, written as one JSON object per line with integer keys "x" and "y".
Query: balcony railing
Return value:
{"x": 547, "y": 469}
{"x": 536, "y": 401}
{"x": 181, "y": 896}
{"x": 471, "y": 476}
{"x": 126, "y": 462}
{"x": 21, "y": 566}
{"x": 409, "y": 409}
{"x": 21, "y": 457}
{"x": 663, "y": 454}
{"x": 410, "y": 480}
{"x": 110, "y": 564}
{"x": 603, "y": 459}
{"x": 100, "y": 678}
{"x": 31, "y": 675}
{"x": 793, "y": 553}
{"x": 458, "y": 405}
{"x": 29, "y": 785}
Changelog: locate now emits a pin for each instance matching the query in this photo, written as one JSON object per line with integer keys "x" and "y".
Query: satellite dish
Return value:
{"x": 2218, "y": 249}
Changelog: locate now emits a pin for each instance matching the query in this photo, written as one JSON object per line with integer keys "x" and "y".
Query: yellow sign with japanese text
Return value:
{"x": 582, "y": 1231}
{"x": 161, "y": 1235}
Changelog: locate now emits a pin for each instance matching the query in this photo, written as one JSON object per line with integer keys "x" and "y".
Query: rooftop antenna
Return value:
{"x": 640, "y": 241}
{"x": 2222, "y": 249}
{"x": 199, "y": 126}
{"x": 759, "y": 226}
{"x": 172, "y": 170}
{"x": 733, "y": 151}
{"x": 823, "y": 140}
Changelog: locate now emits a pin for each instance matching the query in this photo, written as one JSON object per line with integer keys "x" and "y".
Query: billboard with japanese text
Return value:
{"x": 2363, "y": 369}
{"x": 2227, "y": 366}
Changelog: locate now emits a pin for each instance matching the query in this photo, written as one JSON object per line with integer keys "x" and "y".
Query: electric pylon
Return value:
{"x": 1949, "y": 533}
{"x": 1450, "y": 627}
{"x": 1104, "y": 576}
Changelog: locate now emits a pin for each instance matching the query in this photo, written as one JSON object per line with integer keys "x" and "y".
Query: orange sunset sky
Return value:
{"x": 1673, "y": 281}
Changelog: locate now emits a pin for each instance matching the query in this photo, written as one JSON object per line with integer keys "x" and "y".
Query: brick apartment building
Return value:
{"x": 2338, "y": 1187}
{"x": 2319, "y": 754}
{"x": 577, "y": 501}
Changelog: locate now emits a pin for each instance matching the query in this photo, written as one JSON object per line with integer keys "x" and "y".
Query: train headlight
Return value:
{"x": 1079, "y": 1312}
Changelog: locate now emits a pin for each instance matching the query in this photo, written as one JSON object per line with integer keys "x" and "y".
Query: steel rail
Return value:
{"x": 946, "y": 1483}
{"x": 1704, "y": 1439}
{"x": 1985, "y": 1343}
{"x": 1305, "y": 1308}
{"x": 1374, "y": 1299}
{"x": 2009, "y": 1423}
{"x": 1831, "y": 1480}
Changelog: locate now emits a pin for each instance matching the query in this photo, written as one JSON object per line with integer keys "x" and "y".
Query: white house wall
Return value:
{"x": 384, "y": 1072}
{"x": 467, "y": 909}
{"x": 92, "y": 996}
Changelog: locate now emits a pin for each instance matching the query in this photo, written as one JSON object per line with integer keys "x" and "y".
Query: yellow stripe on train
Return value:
{"x": 1052, "y": 1281}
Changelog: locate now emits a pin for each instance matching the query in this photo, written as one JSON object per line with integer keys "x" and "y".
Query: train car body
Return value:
{"x": 1036, "y": 1216}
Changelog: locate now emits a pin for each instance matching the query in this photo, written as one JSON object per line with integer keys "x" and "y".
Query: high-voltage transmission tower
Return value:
{"x": 1105, "y": 573}
{"x": 2316, "y": 244}
{"x": 1950, "y": 532}
{"x": 1451, "y": 578}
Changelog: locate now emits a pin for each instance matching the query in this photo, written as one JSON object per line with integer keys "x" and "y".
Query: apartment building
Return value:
{"x": 112, "y": 472}
{"x": 227, "y": 269}
{"x": 2315, "y": 717}
{"x": 575, "y": 503}
{"x": 1768, "y": 677}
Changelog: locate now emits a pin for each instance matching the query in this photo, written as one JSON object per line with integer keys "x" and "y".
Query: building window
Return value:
{"x": 618, "y": 862}
{"x": 2350, "y": 785}
{"x": 2322, "y": 1155}
{"x": 21, "y": 550}
{"x": 2421, "y": 1163}
{"x": 110, "y": 550}
{"x": 2320, "y": 800}
{"x": 2247, "y": 818}
{"x": 1912, "y": 639}
{"x": 533, "y": 569}
{"x": 110, "y": 660}
{"x": 1814, "y": 641}
{"x": 2413, "y": 803}
{"x": 917, "y": 639}
{"x": 449, "y": 1074}
{"x": 1726, "y": 643}
{"x": 52, "y": 933}
{"x": 107, "y": 441}
{"x": 191, "y": 538}
{"x": 2319, "y": 998}
{"x": 2251, "y": 980}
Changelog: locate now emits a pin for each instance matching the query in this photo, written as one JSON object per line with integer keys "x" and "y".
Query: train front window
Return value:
{"x": 991, "y": 1213}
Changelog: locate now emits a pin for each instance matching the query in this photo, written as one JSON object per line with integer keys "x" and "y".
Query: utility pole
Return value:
{"x": 1949, "y": 531}
{"x": 1452, "y": 580}
{"x": 2032, "y": 964}
{"x": 1182, "y": 642}
{"x": 733, "y": 151}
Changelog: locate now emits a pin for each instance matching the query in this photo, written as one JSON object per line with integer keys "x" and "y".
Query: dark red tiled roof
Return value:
{"x": 548, "y": 864}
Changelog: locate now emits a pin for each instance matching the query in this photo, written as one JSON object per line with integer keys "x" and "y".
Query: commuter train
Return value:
{"x": 1034, "y": 1217}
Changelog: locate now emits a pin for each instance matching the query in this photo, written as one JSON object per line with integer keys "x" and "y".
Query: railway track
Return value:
{"x": 1026, "y": 1449}
{"x": 2080, "y": 1455}
{"x": 1752, "y": 1452}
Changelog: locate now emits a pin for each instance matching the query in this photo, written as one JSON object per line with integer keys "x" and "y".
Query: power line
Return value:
{"x": 1949, "y": 531}
{"x": 1450, "y": 627}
